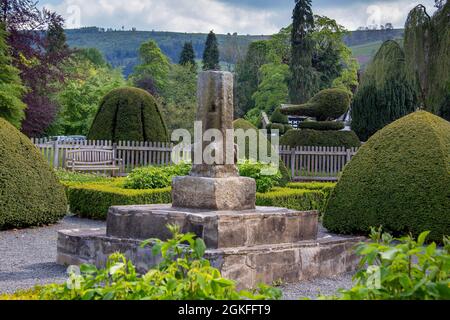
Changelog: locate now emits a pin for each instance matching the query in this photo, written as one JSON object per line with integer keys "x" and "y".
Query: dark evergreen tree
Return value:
{"x": 211, "y": 53}
{"x": 187, "y": 56}
{"x": 304, "y": 83}
{"x": 385, "y": 93}
{"x": 56, "y": 38}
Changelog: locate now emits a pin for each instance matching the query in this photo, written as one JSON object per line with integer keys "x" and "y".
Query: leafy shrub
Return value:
{"x": 328, "y": 104}
{"x": 183, "y": 274}
{"x": 265, "y": 175}
{"x": 301, "y": 200}
{"x": 93, "y": 200}
{"x": 322, "y": 125}
{"x": 30, "y": 194}
{"x": 155, "y": 177}
{"x": 128, "y": 114}
{"x": 278, "y": 117}
{"x": 325, "y": 187}
{"x": 71, "y": 177}
{"x": 399, "y": 179}
{"x": 401, "y": 269}
{"x": 308, "y": 138}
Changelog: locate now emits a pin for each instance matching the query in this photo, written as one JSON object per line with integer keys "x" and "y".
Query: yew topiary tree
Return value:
{"x": 30, "y": 194}
{"x": 385, "y": 93}
{"x": 399, "y": 180}
{"x": 129, "y": 114}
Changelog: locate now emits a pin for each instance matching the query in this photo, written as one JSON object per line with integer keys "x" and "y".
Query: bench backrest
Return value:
{"x": 90, "y": 155}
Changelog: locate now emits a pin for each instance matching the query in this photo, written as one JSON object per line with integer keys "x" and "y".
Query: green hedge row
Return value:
{"x": 93, "y": 200}
{"x": 323, "y": 125}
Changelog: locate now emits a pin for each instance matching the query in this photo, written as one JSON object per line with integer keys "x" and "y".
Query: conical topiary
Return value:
{"x": 30, "y": 194}
{"x": 129, "y": 114}
{"x": 399, "y": 179}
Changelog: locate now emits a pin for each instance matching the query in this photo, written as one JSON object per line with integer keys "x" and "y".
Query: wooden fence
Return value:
{"x": 304, "y": 163}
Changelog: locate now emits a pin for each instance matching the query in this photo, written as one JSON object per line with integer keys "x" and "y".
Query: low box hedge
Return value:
{"x": 92, "y": 200}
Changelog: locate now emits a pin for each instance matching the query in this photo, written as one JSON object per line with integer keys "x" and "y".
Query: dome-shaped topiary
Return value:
{"x": 30, "y": 194}
{"x": 328, "y": 104}
{"x": 128, "y": 114}
{"x": 399, "y": 179}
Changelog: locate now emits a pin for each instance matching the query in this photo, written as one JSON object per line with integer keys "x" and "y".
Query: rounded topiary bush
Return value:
{"x": 128, "y": 114}
{"x": 30, "y": 194}
{"x": 317, "y": 138}
{"x": 325, "y": 105}
{"x": 399, "y": 179}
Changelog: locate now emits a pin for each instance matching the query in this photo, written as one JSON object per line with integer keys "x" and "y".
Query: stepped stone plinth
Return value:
{"x": 247, "y": 243}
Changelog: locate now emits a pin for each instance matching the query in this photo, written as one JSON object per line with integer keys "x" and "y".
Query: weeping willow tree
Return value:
{"x": 427, "y": 52}
{"x": 385, "y": 93}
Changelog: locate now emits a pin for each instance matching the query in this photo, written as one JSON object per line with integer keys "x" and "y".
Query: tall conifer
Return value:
{"x": 211, "y": 53}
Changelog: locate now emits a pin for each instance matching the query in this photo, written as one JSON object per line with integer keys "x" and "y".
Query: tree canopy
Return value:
{"x": 211, "y": 53}
{"x": 187, "y": 56}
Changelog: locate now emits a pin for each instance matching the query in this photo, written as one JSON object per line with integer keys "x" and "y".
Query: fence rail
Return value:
{"x": 304, "y": 163}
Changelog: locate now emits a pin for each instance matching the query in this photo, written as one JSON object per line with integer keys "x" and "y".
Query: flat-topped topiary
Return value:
{"x": 399, "y": 179}
{"x": 30, "y": 194}
{"x": 129, "y": 114}
{"x": 320, "y": 138}
{"x": 328, "y": 104}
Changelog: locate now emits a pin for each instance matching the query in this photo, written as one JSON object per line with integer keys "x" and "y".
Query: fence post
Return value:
{"x": 292, "y": 163}
{"x": 349, "y": 155}
{"x": 55, "y": 154}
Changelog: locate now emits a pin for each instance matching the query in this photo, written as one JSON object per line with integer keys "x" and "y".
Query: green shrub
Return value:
{"x": 93, "y": 200}
{"x": 183, "y": 274}
{"x": 155, "y": 177}
{"x": 328, "y": 104}
{"x": 325, "y": 187}
{"x": 309, "y": 138}
{"x": 399, "y": 179}
{"x": 128, "y": 114}
{"x": 72, "y": 177}
{"x": 322, "y": 125}
{"x": 278, "y": 117}
{"x": 401, "y": 269}
{"x": 302, "y": 200}
{"x": 245, "y": 125}
{"x": 30, "y": 194}
{"x": 266, "y": 176}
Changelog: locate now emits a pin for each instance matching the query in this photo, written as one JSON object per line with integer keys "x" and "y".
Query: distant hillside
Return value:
{"x": 120, "y": 47}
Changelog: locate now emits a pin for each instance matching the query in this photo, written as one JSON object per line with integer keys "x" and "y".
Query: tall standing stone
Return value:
{"x": 215, "y": 185}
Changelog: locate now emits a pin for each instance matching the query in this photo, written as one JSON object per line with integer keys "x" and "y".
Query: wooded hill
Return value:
{"x": 120, "y": 47}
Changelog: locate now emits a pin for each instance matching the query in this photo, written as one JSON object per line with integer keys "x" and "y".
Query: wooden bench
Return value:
{"x": 92, "y": 160}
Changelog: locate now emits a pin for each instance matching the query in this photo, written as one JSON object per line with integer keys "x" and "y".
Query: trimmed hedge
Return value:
{"x": 128, "y": 114}
{"x": 399, "y": 179}
{"x": 298, "y": 138}
{"x": 325, "y": 105}
{"x": 93, "y": 200}
{"x": 30, "y": 194}
{"x": 323, "y": 125}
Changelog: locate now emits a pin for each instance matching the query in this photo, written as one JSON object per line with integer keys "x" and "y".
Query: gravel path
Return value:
{"x": 27, "y": 258}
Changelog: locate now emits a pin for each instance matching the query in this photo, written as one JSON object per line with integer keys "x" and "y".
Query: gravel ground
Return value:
{"x": 27, "y": 258}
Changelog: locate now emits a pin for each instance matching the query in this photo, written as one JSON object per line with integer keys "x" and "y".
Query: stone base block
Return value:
{"x": 234, "y": 193}
{"x": 219, "y": 229}
{"x": 248, "y": 266}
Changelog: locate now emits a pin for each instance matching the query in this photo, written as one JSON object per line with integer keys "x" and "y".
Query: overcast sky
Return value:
{"x": 223, "y": 16}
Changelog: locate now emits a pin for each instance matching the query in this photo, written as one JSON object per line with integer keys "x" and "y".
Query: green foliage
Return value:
{"x": 295, "y": 199}
{"x": 266, "y": 176}
{"x": 322, "y": 125}
{"x": 385, "y": 93}
{"x": 427, "y": 55}
{"x": 278, "y": 117}
{"x": 187, "y": 56}
{"x": 211, "y": 53}
{"x": 328, "y": 104}
{"x": 128, "y": 114}
{"x": 316, "y": 138}
{"x": 92, "y": 200}
{"x": 30, "y": 194}
{"x": 183, "y": 274}
{"x": 155, "y": 177}
{"x": 399, "y": 179}
{"x": 89, "y": 80}
{"x": 72, "y": 177}
{"x": 179, "y": 98}
{"x": 401, "y": 269}
{"x": 154, "y": 64}
{"x": 11, "y": 88}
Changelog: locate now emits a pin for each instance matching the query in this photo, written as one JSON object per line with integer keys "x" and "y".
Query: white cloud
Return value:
{"x": 170, "y": 15}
